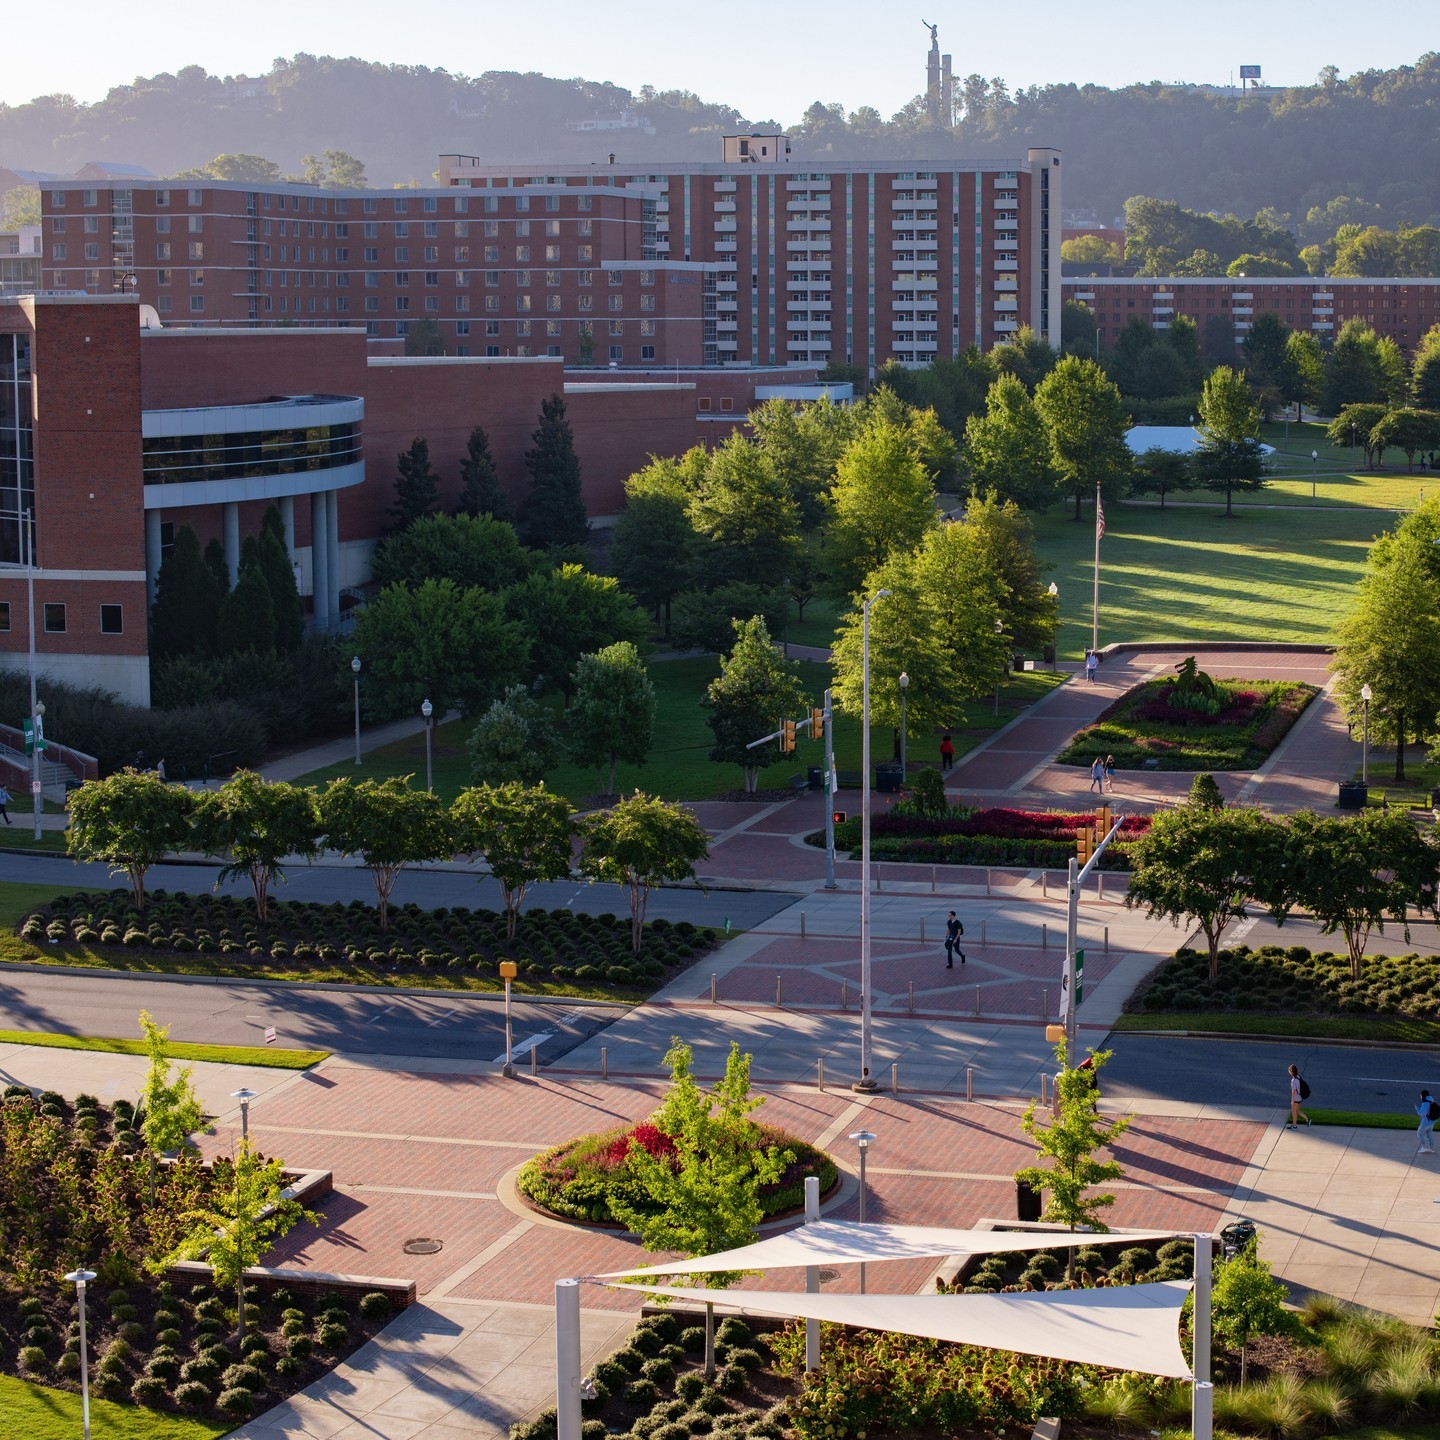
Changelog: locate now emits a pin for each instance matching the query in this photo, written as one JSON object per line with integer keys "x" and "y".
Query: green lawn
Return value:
{"x": 1319, "y": 1027}
{"x": 679, "y": 767}
{"x": 18, "y": 837}
{"x": 36, "y": 1412}
{"x": 1363, "y": 1119}
{"x": 1190, "y": 574}
{"x": 177, "y": 1050}
{"x": 17, "y": 900}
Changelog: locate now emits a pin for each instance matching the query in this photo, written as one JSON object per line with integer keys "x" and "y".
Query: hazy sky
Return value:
{"x": 769, "y": 60}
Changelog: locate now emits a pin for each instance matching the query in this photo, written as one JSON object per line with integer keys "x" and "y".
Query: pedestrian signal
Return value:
{"x": 838, "y": 817}
{"x": 817, "y": 724}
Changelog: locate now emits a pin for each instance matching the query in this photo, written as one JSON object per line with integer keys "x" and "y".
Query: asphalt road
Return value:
{"x": 456, "y": 1027}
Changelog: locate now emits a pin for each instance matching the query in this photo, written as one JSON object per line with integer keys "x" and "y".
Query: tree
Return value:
{"x": 475, "y": 551}
{"x": 1025, "y": 355}
{"x": 1390, "y": 640}
{"x": 240, "y": 169}
{"x": 1006, "y": 538}
{"x": 706, "y": 1198}
{"x": 131, "y": 821}
{"x": 1353, "y": 370}
{"x": 1247, "y": 1300}
{"x": 1007, "y": 450}
{"x": 1203, "y": 864}
{"x": 755, "y": 690}
{"x": 247, "y": 614}
{"x": 388, "y": 825}
{"x": 423, "y": 337}
{"x": 514, "y": 741}
{"x": 1090, "y": 250}
{"x": 1355, "y": 425}
{"x": 417, "y": 487}
{"x": 481, "y": 492}
{"x": 1425, "y": 377}
{"x": 652, "y": 541}
{"x": 523, "y": 831}
{"x": 1205, "y": 793}
{"x": 1269, "y": 365}
{"x": 706, "y": 619}
{"x": 438, "y": 643}
{"x": 20, "y": 206}
{"x": 170, "y": 1109}
{"x": 570, "y": 612}
{"x": 1086, "y": 421}
{"x": 334, "y": 170}
{"x": 555, "y": 505}
{"x": 187, "y": 602}
{"x": 747, "y": 514}
{"x": 1230, "y": 456}
{"x": 612, "y": 715}
{"x": 641, "y": 842}
{"x": 219, "y": 567}
{"x": 273, "y": 558}
{"x": 1306, "y": 359}
{"x": 247, "y": 1213}
{"x": 1407, "y": 430}
{"x": 884, "y": 503}
{"x": 257, "y": 824}
{"x": 803, "y": 444}
{"x": 1161, "y": 472}
{"x": 1352, "y": 875}
{"x": 1068, "y": 1142}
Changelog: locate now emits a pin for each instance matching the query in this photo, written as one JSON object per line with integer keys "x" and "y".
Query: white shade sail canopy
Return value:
{"x": 1121, "y": 1327}
{"x": 833, "y": 1242}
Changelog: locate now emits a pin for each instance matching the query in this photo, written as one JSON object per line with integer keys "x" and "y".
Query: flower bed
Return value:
{"x": 556, "y": 949}
{"x": 1233, "y": 729}
{"x": 1276, "y": 980}
{"x": 74, "y": 1192}
{"x": 575, "y": 1180}
{"x": 1027, "y": 838}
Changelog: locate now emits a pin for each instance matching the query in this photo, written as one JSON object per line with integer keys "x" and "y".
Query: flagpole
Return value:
{"x": 1095, "y": 604}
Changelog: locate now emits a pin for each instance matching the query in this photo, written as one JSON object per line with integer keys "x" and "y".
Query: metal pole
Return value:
{"x": 820, "y": 1077}
{"x": 894, "y": 1077}
{"x": 1202, "y": 1395}
{"x": 508, "y": 1069}
{"x": 969, "y": 1082}
{"x": 1067, "y": 984}
{"x": 35, "y": 797}
{"x": 865, "y": 1083}
{"x": 604, "y": 1062}
{"x": 1095, "y": 608}
{"x": 812, "y": 1274}
{"x": 828, "y": 790}
{"x": 244, "y": 1121}
{"x": 1364, "y": 744}
{"x": 534, "y": 1060}
{"x": 904, "y": 688}
{"x": 863, "y": 1149}
{"x": 567, "y": 1360}
{"x": 426, "y": 710}
{"x": 84, "y": 1364}
{"x": 355, "y": 669}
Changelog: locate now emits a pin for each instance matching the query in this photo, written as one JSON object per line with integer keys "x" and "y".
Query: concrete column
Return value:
{"x": 567, "y": 1360}
{"x": 152, "y": 550}
{"x": 287, "y": 515}
{"x": 332, "y": 545}
{"x": 320, "y": 557}
{"x": 232, "y": 540}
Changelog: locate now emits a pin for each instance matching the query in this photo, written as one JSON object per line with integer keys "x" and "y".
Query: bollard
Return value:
{"x": 878, "y": 885}
{"x": 1044, "y": 884}
{"x": 895, "y": 1078}
{"x": 604, "y": 1062}
{"x": 822, "y": 1073}
{"x": 1045, "y": 937}
{"x": 977, "y": 1000}
{"x": 1044, "y": 1006}
{"x": 1099, "y": 884}
{"x": 969, "y": 1082}
{"x": 1044, "y": 1088}
{"x": 983, "y": 924}
{"x": 932, "y": 879}
{"x": 714, "y": 987}
{"x": 534, "y": 1061}
{"x": 987, "y": 881}
{"x": 844, "y": 994}
{"x": 778, "y": 1000}
{"x": 922, "y": 929}
{"x": 1107, "y": 939}
{"x": 912, "y": 997}
{"x": 802, "y": 924}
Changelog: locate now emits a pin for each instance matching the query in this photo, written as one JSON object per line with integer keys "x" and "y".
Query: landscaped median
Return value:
{"x": 177, "y": 1050}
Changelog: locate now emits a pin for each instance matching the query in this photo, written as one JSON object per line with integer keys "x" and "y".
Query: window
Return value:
{"x": 54, "y": 618}
{"x": 587, "y": 277}
{"x": 90, "y": 198}
{"x": 197, "y": 197}
{"x": 617, "y": 327}
{"x": 647, "y": 277}
{"x": 552, "y": 227}
{"x": 552, "y": 302}
{"x": 372, "y": 280}
{"x": 522, "y": 277}
{"x": 587, "y": 227}
{"x": 462, "y": 302}
{"x": 552, "y": 278}
{"x": 492, "y": 255}
{"x": 402, "y": 278}
{"x": 162, "y": 224}
{"x": 431, "y": 205}
{"x": 162, "y": 277}
{"x": 342, "y": 232}
{"x": 522, "y": 227}
{"x": 402, "y": 328}
{"x": 647, "y": 352}
{"x": 462, "y": 254}
{"x": 584, "y": 203}
{"x": 402, "y": 254}
{"x": 616, "y": 277}
{"x": 372, "y": 230}
{"x": 617, "y": 353}
{"x": 522, "y": 327}
{"x": 371, "y": 255}
{"x": 432, "y": 254}
{"x": 522, "y": 304}
{"x": 197, "y": 304}
{"x": 585, "y": 252}
{"x": 57, "y": 252}
{"x": 492, "y": 277}
{"x": 162, "y": 303}
{"x": 522, "y": 204}
{"x": 522, "y": 254}
{"x": 342, "y": 255}
{"x": 402, "y": 206}
{"x": 552, "y": 202}
{"x": 647, "y": 327}
{"x": 197, "y": 277}
{"x": 492, "y": 327}
{"x": 432, "y": 277}
{"x": 92, "y": 224}
{"x": 57, "y": 225}
{"x": 112, "y": 620}
{"x": 552, "y": 254}
{"x": 372, "y": 304}
{"x": 195, "y": 224}
{"x": 585, "y": 302}
{"x": 617, "y": 302}
{"x": 492, "y": 228}
{"x": 197, "y": 249}
{"x": 492, "y": 302}
{"x": 552, "y": 327}
{"x": 4, "y": 615}
{"x": 57, "y": 198}
{"x": 92, "y": 251}
{"x": 402, "y": 302}
{"x": 462, "y": 327}
{"x": 647, "y": 302}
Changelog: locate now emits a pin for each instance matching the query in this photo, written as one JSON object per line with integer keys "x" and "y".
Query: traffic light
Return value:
{"x": 787, "y": 735}
{"x": 838, "y": 817}
{"x": 817, "y": 724}
{"x": 1084, "y": 844}
{"x": 1102, "y": 822}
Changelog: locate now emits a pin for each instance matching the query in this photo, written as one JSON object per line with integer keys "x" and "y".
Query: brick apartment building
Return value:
{"x": 1403, "y": 309}
{"x": 743, "y": 261}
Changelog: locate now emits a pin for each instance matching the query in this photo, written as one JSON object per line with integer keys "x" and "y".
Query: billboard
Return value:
{"x": 1249, "y": 72}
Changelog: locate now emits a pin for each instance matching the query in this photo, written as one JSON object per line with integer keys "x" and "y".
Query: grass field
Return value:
{"x": 679, "y": 768}
{"x": 177, "y": 1050}
{"x": 1362, "y": 1119}
{"x": 1317, "y": 1027}
{"x": 38, "y": 1413}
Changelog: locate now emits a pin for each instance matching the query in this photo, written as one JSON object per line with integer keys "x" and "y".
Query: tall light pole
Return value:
{"x": 508, "y": 971}
{"x": 866, "y": 1082}
{"x": 427, "y": 710}
{"x": 1314, "y": 468}
{"x": 244, "y": 1095}
{"x": 35, "y": 710}
{"x": 999, "y": 631}
{"x": 904, "y": 688}
{"x": 862, "y": 1138}
{"x": 79, "y": 1279}
{"x": 355, "y": 670}
{"x": 1366, "y": 696}
{"x": 1054, "y": 592}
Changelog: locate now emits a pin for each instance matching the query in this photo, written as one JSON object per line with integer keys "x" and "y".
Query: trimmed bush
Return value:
{"x": 192, "y": 1395}
{"x": 237, "y": 1401}
{"x": 149, "y": 1390}
{"x": 376, "y": 1304}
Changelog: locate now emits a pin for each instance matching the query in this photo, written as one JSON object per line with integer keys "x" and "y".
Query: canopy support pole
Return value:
{"x": 1202, "y": 1398}
{"x": 567, "y": 1360}
{"x": 812, "y": 1275}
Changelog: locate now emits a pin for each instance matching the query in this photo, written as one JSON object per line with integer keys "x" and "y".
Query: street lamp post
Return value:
{"x": 427, "y": 710}
{"x": 999, "y": 630}
{"x": 355, "y": 670}
{"x": 27, "y": 520}
{"x": 862, "y": 1138}
{"x": 1354, "y": 458}
{"x": 508, "y": 971}
{"x": 866, "y": 1082}
{"x": 1366, "y": 696}
{"x": 1314, "y": 467}
{"x": 244, "y": 1095}
{"x": 904, "y": 688}
{"x": 79, "y": 1279}
{"x": 1053, "y": 590}
{"x": 37, "y": 724}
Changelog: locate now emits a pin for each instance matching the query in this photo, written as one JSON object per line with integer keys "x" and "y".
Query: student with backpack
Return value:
{"x": 1299, "y": 1091}
{"x": 1429, "y": 1112}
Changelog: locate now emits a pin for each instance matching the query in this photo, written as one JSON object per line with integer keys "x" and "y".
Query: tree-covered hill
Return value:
{"x": 1371, "y": 140}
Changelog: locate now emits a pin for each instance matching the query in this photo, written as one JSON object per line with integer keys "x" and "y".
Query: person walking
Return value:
{"x": 1097, "y": 775}
{"x": 1110, "y": 774}
{"x": 1092, "y": 664}
{"x": 5, "y": 805}
{"x": 953, "y": 931}
{"x": 1429, "y": 1112}
{"x": 1299, "y": 1091}
{"x": 947, "y": 752}
{"x": 160, "y": 768}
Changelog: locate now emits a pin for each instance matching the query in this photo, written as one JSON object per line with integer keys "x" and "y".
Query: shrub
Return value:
{"x": 331, "y": 1335}
{"x": 730, "y": 1379}
{"x": 192, "y": 1395}
{"x": 711, "y": 1401}
{"x": 662, "y": 1372}
{"x": 164, "y": 1366}
{"x": 237, "y": 1401}
{"x": 375, "y": 1304}
{"x": 299, "y": 1346}
{"x": 746, "y": 1359}
{"x": 201, "y": 1371}
{"x": 288, "y": 1366}
{"x": 245, "y": 1376}
{"x": 69, "y": 1363}
{"x": 148, "y": 1390}
{"x": 692, "y": 1338}
{"x": 733, "y": 1331}
{"x": 593, "y": 1430}
{"x": 691, "y": 1386}
{"x": 210, "y": 1308}
{"x": 642, "y": 1392}
{"x": 32, "y": 1358}
{"x": 132, "y": 1331}
{"x": 31, "y": 1305}
{"x": 254, "y": 1343}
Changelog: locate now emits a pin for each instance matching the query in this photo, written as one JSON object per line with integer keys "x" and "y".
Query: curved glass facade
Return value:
{"x": 174, "y": 459}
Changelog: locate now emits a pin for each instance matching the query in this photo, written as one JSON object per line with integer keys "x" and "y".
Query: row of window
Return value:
{"x": 112, "y": 618}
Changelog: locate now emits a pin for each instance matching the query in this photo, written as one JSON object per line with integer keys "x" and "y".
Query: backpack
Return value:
{"x": 1433, "y": 1112}
{"x": 1304, "y": 1089}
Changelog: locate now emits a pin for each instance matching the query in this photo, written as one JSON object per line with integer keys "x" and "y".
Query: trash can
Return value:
{"x": 814, "y": 777}
{"x": 1028, "y": 1201}
{"x": 888, "y": 779}
{"x": 1352, "y": 795}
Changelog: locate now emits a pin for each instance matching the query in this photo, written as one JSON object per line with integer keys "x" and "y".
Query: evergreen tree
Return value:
{"x": 555, "y": 509}
{"x": 756, "y": 689}
{"x": 218, "y": 566}
{"x": 417, "y": 488}
{"x": 481, "y": 492}
{"x": 247, "y": 616}
{"x": 612, "y": 717}
{"x": 187, "y": 602}
{"x": 273, "y": 557}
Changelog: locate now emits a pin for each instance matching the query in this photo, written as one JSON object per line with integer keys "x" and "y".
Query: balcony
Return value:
{"x": 726, "y": 324}
{"x": 1007, "y": 221}
{"x": 1005, "y": 327}
{"x": 1009, "y": 283}
{"x": 725, "y": 245}
{"x": 1006, "y": 304}
{"x": 914, "y": 282}
{"x": 725, "y": 187}
{"x": 724, "y": 226}
{"x": 1162, "y": 310}
{"x": 724, "y": 207}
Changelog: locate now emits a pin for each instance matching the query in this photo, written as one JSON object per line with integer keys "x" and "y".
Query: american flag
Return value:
{"x": 1099, "y": 515}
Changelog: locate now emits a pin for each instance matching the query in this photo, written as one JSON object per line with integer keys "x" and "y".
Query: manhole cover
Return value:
{"x": 423, "y": 1247}
{"x": 828, "y": 1274}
